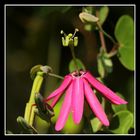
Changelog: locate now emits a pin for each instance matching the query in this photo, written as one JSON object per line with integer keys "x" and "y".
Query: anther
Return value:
{"x": 62, "y": 32}
{"x": 76, "y": 30}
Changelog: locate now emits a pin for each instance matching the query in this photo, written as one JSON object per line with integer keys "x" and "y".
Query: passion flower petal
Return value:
{"x": 65, "y": 109}
{"x": 95, "y": 104}
{"x": 108, "y": 93}
{"x": 77, "y": 99}
{"x": 61, "y": 89}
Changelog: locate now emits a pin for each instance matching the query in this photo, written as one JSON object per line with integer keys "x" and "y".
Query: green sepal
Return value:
{"x": 28, "y": 129}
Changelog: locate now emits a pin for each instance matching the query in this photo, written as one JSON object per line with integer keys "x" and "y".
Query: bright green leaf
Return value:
{"x": 124, "y": 122}
{"x": 96, "y": 124}
{"x": 124, "y": 30}
{"x": 117, "y": 108}
{"x": 126, "y": 57}
{"x": 103, "y": 13}
{"x": 124, "y": 33}
{"x": 72, "y": 66}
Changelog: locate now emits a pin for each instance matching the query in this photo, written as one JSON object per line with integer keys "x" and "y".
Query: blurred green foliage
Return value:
{"x": 33, "y": 37}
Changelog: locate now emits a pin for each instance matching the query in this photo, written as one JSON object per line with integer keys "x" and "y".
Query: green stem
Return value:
{"x": 103, "y": 45}
{"x": 106, "y": 34}
{"x": 55, "y": 75}
{"x": 74, "y": 58}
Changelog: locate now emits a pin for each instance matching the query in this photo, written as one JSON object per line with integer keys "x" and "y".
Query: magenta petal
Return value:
{"x": 109, "y": 94}
{"x": 55, "y": 99}
{"x": 77, "y": 99}
{"x": 65, "y": 109}
{"x": 61, "y": 89}
{"x": 95, "y": 104}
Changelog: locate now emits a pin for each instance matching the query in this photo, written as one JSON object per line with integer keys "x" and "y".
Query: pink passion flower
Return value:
{"x": 77, "y": 88}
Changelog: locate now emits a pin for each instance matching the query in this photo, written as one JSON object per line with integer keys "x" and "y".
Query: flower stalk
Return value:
{"x": 105, "y": 33}
{"x": 74, "y": 58}
{"x": 71, "y": 41}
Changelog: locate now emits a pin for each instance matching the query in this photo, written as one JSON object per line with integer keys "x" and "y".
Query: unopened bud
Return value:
{"x": 86, "y": 17}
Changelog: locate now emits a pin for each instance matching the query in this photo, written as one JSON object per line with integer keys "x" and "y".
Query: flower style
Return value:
{"x": 77, "y": 87}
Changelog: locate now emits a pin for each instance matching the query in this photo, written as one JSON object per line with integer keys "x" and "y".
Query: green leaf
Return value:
{"x": 126, "y": 57}
{"x": 124, "y": 30}
{"x": 124, "y": 119}
{"x": 79, "y": 63}
{"x": 96, "y": 124}
{"x": 117, "y": 108}
{"x": 103, "y": 13}
{"x": 124, "y": 33}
